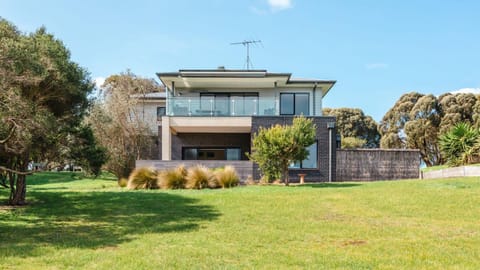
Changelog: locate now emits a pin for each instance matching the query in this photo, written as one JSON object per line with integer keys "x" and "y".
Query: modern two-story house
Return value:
{"x": 212, "y": 116}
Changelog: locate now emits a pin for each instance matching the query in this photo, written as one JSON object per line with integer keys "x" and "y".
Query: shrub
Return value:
{"x": 143, "y": 178}
{"x": 250, "y": 181}
{"x": 274, "y": 148}
{"x": 460, "y": 145}
{"x": 173, "y": 178}
{"x": 199, "y": 177}
{"x": 227, "y": 177}
{"x": 353, "y": 142}
{"x": 123, "y": 182}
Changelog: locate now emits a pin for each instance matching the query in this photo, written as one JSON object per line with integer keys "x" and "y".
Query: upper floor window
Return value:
{"x": 294, "y": 103}
{"x": 229, "y": 103}
{"x": 161, "y": 111}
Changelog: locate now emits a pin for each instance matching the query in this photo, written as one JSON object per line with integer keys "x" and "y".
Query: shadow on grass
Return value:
{"x": 328, "y": 185}
{"x": 47, "y": 188}
{"x": 96, "y": 219}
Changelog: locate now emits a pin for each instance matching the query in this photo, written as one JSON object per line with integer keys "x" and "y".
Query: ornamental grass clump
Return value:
{"x": 123, "y": 182}
{"x": 143, "y": 178}
{"x": 227, "y": 177}
{"x": 173, "y": 178}
{"x": 199, "y": 177}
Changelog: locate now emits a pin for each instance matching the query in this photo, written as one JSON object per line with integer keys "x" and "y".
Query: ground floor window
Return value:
{"x": 310, "y": 162}
{"x": 212, "y": 153}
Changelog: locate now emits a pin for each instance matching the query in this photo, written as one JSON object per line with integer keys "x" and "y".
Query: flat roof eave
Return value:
{"x": 284, "y": 79}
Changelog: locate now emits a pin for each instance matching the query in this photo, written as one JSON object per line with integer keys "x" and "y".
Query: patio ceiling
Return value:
{"x": 210, "y": 124}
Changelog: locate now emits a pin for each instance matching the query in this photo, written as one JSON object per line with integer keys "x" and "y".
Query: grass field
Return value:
{"x": 75, "y": 223}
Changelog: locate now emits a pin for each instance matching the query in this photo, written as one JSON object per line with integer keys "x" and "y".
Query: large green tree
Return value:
{"x": 85, "y": 151}
{"x": 392, "y": 126}
{"x": 43, "y": 94}
{"x": 417, "y": 120}
{"x": 457, "y": 108}
{"x": 275, "y": 148}
{"x": 422, "y": 129}
{"x": 354, "y": 127}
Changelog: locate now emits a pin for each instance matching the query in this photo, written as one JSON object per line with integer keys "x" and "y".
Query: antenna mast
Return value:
{"x": 247, "y": 44}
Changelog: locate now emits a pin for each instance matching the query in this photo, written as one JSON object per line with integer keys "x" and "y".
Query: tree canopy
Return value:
{"x": 117, "y": 123}
{"x": 43, "y": 94}
{"x": 355, "y": 127}
{"x": 416, "y": 121}
{"x": 275, "y": 148}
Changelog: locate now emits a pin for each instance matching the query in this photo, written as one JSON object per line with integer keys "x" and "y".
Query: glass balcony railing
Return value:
{"x": 221, "y": 106}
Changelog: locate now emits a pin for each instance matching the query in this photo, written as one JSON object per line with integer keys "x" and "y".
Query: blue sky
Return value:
{"x": 376, "y": 50}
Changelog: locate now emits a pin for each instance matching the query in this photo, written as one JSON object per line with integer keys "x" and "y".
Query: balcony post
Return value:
{"x": 211, "y": 107}
{"x": 166, "y": 139}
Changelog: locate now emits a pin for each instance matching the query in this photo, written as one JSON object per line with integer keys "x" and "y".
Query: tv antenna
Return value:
{"x": 247, "y": 44}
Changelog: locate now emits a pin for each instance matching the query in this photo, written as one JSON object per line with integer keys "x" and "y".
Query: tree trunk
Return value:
{"x": 285, "y": 174}
{"x": 11, "y": 180}
{"x": 19, "y": 192}
{"x": 18, "y": 183}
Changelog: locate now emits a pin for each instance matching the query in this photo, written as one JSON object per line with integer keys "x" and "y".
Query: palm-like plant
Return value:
{"x": 460, "y": 145}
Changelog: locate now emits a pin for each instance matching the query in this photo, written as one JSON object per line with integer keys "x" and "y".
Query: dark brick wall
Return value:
{"x": 312, "y": 175}
{"x": 181, "y": 140}
{"x": 377, "y": 164}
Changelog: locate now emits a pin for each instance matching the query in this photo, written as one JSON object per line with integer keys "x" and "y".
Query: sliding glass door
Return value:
{"x": 212, "y": 153}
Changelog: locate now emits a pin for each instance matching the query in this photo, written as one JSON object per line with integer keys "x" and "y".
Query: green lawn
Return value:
{"x": 77, "y": 223}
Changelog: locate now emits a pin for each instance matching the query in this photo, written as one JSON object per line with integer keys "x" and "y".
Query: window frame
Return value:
{"x": 201, "y": 149}
{"x": 217, "y": 96}
{"x": 294, "y": 103}
{"x": 159, "y": 116}
{"x": 298, "y": 165}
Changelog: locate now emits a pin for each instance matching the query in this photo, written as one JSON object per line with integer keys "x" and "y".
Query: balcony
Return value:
{"x": 221, "y": 106}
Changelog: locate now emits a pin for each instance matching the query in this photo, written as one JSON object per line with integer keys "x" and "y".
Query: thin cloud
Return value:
{"x": 276, "y": 5}
{"x": 99, "y": 81}
{"x": 376, "y": 66}
{"x": 475, "y": 91}
{"x": 258, "y": 11}
{"x": 271, "y": 6}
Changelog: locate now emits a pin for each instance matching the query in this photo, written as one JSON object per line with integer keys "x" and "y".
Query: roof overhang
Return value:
{"x": 238, "y": 79}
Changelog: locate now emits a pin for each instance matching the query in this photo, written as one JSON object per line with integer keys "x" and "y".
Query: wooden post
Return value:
{"x": 302, "y": 177}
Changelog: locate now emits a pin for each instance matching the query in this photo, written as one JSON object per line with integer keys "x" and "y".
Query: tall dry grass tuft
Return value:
{"x": 227, "y": 177}
{"x": 122, "y": 182}
{"x": 173, "y": 178}
{"x": 143, "y": 178}
{"x": 199, "y": 177}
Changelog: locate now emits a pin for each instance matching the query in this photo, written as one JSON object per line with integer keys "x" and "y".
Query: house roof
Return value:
{"x": 153, "y": 95}
{"x": 231, "y": 78}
